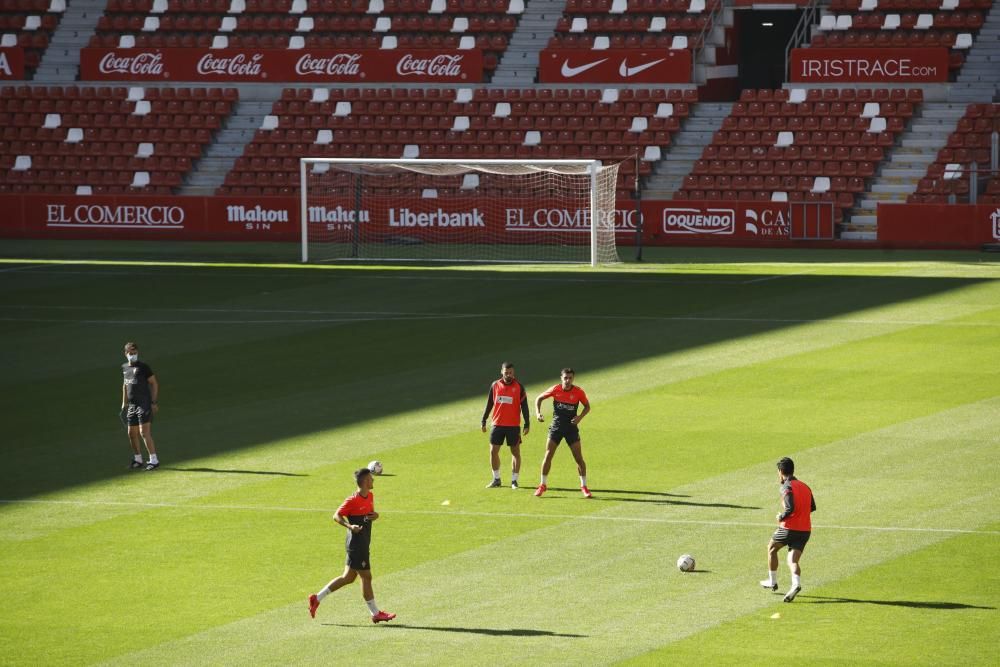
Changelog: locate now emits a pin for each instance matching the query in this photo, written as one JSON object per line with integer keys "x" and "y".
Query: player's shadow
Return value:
{"x": 914, "y": 604}
{"x": 493, "y": 632}
{"x": 238, "y": 472}
{"x": 657, "y": 501}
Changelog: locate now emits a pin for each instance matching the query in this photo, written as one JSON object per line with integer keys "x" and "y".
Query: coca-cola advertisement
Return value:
{"x": 614, "y": 66}
{"x": 282, "y": 65}
{"x": 11, "y": 63}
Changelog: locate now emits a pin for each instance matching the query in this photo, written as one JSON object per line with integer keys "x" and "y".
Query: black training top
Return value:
{"x": 137, "y": 382}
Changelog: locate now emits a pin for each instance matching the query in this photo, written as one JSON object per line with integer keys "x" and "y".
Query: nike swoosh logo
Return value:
{"x": 627, "y": 71}
{"x": 570, "y": 72}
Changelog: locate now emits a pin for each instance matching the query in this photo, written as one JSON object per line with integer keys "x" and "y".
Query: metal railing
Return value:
{"x": 714, "y": 20}
{"x": 801, "y": 34}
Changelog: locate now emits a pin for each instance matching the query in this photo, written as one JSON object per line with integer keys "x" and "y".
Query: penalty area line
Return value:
{"x": 499, "y": 515}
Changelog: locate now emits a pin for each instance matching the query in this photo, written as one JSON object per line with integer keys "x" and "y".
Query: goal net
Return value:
{"x": 458, "y": 210}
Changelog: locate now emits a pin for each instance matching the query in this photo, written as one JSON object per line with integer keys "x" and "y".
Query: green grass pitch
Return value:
{"x": 879, "y": 374}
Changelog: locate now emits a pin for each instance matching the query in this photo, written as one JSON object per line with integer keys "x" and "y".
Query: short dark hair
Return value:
{"x": 567, "y": 370}
{"x": 507, "y": 364}
{"x": 360, "y": 473}
{"x": 786, "y": 466}
{"x": 131, "y": 344}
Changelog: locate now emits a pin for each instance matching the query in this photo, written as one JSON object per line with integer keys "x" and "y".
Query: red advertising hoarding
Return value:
{"x": 938, "y": 225}
{"x": 843, "y": 65}
{"x": 11, "y": 63}
{"x": 177, "y": 218}
{"x": 614, "y": 66}
{"x": 282, "y": 65}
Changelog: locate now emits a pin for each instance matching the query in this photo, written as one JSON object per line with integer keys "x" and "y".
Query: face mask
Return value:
{"x": 132, "y": 358}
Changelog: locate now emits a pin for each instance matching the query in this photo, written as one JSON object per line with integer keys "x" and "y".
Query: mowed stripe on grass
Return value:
{"x": 583, "y": 592}
{"x": 660, "y": 424}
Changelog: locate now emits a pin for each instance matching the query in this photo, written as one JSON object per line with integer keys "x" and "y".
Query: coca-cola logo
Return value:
{"x": 236, "y": 65}
{"x": 441, "y": 65}
{"x": 146, "y": 63}
{"x": 341, "y": 64}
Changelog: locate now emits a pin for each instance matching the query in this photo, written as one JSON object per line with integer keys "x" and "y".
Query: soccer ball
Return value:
{"x": 376, "y": 468}
{"x": 685, "y": 563}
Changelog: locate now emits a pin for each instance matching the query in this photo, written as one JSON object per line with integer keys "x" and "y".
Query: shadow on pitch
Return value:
{"x": 493, "y": 632}
{"x": 657, "y": 501}
{"x": 238, "y": 472}
{"x": 821, "y": 599}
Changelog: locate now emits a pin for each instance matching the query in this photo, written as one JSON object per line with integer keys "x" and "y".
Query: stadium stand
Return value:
{"x": 29, "y": 24}
{"x": 615, "y": 125}
{"x": 949, "y": 177}
{"x": 902, "y": 23}
{"x": 296, "y": 24}
{"x": 801, "y": 145}
{"x": 103, "y": 140}
{"x": 639, "y": 24}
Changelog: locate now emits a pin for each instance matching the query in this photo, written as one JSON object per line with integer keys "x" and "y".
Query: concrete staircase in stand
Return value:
{"x": 537, "y": 24}
{"x": 685, "y": 148}
{"x": 979, "y": 80}
{"x": 61, "y": 61}
{"x": 928, "y": 133}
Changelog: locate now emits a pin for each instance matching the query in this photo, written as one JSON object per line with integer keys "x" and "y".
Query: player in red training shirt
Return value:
{"x": 356, "y": 515}
{"x": 566, "y": 400}
{"x": 506, "y": 401}
{"x": 794, "y": 528}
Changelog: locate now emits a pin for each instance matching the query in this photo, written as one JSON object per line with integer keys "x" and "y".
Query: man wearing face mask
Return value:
{"x": 140, "y": 391}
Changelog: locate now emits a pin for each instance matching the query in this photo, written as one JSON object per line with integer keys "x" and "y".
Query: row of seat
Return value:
{"x": 793, "y": 153}
{"x": 626, "y": 23}
{"x": 117, "y": 92}
{"x": 772, "y": 183}
{"x": 959, "y": 20}
{"x": 465, "y": 95}
{"x": 821, "y": 109}
{"x": 219, "y": 7}
{"x": 865, "y": 169}
{"x": 262, "y": 23}
{"x": 90, "y": 150}
{"x": 641, "y": 6}
{"x": 807, "y": 123}
{"x": 804, "y": 138}
{"x": 907, "y": 5}
{"x": 12, "y": 109}
{"x": 799, "y": 95}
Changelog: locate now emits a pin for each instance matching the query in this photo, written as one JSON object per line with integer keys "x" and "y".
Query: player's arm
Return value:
{"x": 154, "y": 392}
{"x": 812, "y": 500}
{"x": 123, "y": 396}
{"x": 538, "y": 404}
{"x": 524, "y": 411}
{"x": 342, "y": 520}
{"x": 788, "y": 503}
{"x": 586, "y": 408}
{"x": 489, "y": 407}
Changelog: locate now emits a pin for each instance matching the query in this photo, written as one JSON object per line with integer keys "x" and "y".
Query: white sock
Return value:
{"x": 137, "y": 458}
{"x": 372, "y": 607}
{"x": 544, "y": 478}
{"x": 796, "y": 581}
{"x": 514, "y": 476}
{"x": 322, "y": 594}
{"x": 496, "y": 474}
{"x": 583, "y": 480}
{"x": 153, "y": 459}
{"x": 772, "y": 576}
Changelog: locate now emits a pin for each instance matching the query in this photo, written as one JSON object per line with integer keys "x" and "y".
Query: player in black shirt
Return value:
{"x": 140, "y": 391}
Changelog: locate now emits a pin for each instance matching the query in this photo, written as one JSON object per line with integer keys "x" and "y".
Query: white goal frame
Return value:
{"x": 591, "y": 167}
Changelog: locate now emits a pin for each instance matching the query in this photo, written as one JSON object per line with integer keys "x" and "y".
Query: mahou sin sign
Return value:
{"x": 282, "y": 65}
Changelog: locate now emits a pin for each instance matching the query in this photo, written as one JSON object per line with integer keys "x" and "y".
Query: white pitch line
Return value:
{"x": 504, "y": 515}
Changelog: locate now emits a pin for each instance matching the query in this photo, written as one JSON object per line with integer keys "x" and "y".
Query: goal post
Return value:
{"x": 455, "y": 210}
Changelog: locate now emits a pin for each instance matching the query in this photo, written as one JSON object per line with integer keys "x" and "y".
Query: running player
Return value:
{"x": 794, "y": 528}
{"x": 140, "y": 394}
{"x": 505, "y": 397}
{"x": 356, "y": 515}
{"x": 566, "y": 400}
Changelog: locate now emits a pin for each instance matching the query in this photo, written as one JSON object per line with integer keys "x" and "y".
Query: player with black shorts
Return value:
{"x": 566, "y": 400}
{"x": 140, "y": 394}
{"x": 794, "y": 528}
{"x": 356, "y": 514}
{"x": 505, "y": 399}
